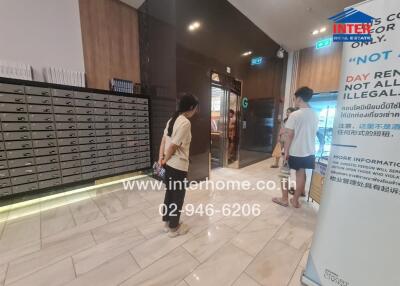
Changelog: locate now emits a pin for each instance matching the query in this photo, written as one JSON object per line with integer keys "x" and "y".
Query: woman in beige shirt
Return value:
{"x": 174, "y": 156}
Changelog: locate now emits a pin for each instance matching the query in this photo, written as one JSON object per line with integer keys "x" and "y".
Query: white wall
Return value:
{"x": 41, "y": 33}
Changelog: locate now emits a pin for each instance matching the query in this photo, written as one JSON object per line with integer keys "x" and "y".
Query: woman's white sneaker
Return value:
{"x": 182, "y": 230}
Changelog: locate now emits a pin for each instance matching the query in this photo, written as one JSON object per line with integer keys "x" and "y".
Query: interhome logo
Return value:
{"x": 352, "y": 25}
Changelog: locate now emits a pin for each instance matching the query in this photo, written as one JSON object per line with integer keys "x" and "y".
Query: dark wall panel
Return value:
{"x": 262, "y": 86}
{"x": 194, "y": 76}
{"x": 158, "y": 62}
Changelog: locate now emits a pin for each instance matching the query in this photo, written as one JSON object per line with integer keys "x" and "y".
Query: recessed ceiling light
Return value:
{"x": 322, "y": 30}
{"x": 248, "y": 53}
{"x": 315, "y": 32}
{"x": 194, "y": 26}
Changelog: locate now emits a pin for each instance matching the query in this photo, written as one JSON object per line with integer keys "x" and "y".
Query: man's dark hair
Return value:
{"x": 231, "y": 111}
{"x": 305, "y": 93}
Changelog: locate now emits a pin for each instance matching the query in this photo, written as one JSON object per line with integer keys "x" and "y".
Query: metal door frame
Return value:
{"x": 225, "y": 104}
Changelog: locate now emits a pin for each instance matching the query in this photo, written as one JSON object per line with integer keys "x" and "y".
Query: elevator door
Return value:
{"x": 225, "y": 119}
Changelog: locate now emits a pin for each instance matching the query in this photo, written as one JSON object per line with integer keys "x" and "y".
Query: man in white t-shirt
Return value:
{"x": 300, "y": 131}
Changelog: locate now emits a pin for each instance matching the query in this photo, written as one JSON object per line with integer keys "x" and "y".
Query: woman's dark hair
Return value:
{"x": 187, "y": 102}
{"x": 290, "y": 109}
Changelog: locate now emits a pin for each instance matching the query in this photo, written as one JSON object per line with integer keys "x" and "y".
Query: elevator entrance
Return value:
{"x": 225, "y": 121}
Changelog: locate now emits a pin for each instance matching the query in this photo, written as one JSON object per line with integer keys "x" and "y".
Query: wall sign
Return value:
{"x": 257, "y": 61}
{"x": 245, "y": 102}
{"x": 323, "y": 43}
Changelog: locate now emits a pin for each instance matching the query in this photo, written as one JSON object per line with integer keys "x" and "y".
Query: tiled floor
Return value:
{"x": 114, "y": 237}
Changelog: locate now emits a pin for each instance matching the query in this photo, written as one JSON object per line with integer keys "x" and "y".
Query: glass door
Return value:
{"x": 325, "y": 106}
{"x": 217, "y": 126}
{"x": 225, "y": 122}
{"x": 233, "y": 130}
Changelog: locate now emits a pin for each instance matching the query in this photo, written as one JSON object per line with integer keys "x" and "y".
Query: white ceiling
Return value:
{"x": 288, "y": 22}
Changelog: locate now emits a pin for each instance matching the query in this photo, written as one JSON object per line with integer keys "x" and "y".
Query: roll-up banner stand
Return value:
{"x": 357, "y": 238}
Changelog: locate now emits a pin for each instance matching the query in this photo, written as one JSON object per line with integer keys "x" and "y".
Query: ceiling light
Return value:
{"x": 322, "y": 30}
{"x": 194, "y": 26}
{"x": 315, "y": 32}
{"x": 248, "y": 53}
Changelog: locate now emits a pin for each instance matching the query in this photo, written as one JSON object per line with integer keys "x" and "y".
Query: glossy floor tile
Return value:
{"x": 223, "y": 268}
{"x": 56, "y": 274}
{"x": 110, "y": 237}
{"x": 275, "y": 264}
{"x": 245, "y": 280}
{"x": 168, "y": 271}
{"x": 206, "y": 243}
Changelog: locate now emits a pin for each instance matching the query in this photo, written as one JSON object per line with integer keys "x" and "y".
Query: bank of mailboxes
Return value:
{"x": 51, "y": 137}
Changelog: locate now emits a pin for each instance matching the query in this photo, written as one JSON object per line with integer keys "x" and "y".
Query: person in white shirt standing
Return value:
{"x": 300, "y": 131}
{"x": 174, "y": 156}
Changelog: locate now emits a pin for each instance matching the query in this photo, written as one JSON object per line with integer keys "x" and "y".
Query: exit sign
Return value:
{"x": 323, "y": 43}
{"x": 257, "y": 61}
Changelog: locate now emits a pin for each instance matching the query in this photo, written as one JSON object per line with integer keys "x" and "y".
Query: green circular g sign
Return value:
{"x": 245, "y": 102}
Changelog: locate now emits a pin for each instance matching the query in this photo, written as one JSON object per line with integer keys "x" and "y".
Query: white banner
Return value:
{"x": 357, "y": 238}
